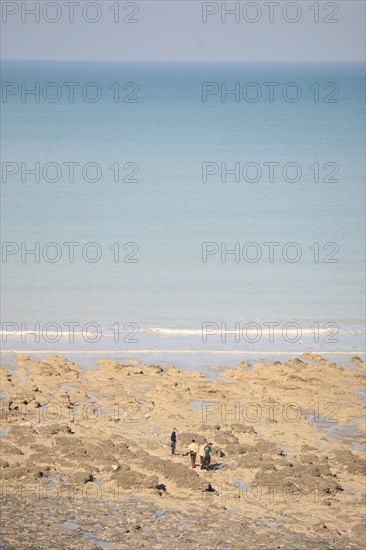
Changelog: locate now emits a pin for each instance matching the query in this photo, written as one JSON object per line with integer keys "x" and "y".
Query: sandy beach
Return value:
{"x": 86, "y": 459}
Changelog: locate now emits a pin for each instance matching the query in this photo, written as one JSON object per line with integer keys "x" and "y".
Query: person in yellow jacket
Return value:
{"x": 193, "y": 448}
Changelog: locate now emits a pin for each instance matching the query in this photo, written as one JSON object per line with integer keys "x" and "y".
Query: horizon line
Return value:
{"x": 174, "y": 61}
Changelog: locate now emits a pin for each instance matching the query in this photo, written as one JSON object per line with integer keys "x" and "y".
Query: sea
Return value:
{"x": 192, "y": 214}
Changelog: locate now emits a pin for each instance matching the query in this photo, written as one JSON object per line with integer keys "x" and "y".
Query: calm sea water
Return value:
{"x": 164, "y": 207}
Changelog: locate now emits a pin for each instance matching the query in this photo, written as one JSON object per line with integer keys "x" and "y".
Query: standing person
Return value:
{"x": 208, "y": 451}
{"x": 173, "y": 439}
{"x": 193, "y": 448}
{"x": 201, "y": 453}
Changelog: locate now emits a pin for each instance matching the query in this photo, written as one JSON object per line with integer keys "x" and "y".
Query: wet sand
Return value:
{"x": 86, "y": 459}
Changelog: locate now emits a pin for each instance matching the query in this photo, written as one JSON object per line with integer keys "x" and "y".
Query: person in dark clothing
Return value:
{"x": 207, "y": 460}
{"x": 173, "y": 439}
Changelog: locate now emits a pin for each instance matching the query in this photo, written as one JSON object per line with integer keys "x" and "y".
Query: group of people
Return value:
{"x": 203, "y": 451}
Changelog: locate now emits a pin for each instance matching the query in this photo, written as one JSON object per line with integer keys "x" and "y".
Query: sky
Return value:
{"x": 174, "y": 30}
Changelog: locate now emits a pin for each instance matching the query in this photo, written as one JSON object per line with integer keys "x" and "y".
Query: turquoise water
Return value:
{"x": 168, "y": 211}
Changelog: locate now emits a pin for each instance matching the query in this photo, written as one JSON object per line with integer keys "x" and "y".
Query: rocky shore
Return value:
{"x": 86, "y": 459}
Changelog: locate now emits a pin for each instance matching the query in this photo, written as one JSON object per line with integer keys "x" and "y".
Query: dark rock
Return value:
{"x": 209, "y": 489}
{"x": 90, "y": 478}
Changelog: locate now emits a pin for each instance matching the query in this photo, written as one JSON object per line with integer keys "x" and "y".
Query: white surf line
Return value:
{"x": 187, "y": 351}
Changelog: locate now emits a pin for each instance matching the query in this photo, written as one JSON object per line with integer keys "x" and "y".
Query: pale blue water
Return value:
{"x": 170, "y": 212}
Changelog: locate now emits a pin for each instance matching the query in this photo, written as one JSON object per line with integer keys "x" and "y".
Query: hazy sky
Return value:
{"x": 172, "y": 30}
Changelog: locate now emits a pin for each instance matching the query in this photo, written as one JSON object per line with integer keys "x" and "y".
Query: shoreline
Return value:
{"x": 209, "y": 362}
{"x": 193, "y": 351}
